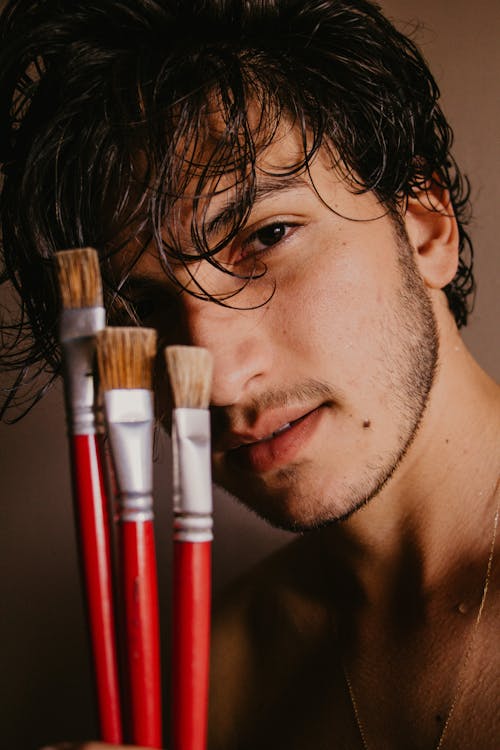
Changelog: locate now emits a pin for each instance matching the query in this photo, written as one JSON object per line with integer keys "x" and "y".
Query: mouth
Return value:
{"x": 284, "y": 428}
{"x": 278, "y": 448}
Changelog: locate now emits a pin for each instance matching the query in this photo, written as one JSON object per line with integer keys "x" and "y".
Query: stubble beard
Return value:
{"x": 414, "y": 367}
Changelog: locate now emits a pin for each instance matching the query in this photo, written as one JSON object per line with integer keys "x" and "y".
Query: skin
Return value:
{"x": 389, "y": 595}
{"x": 376, "y": 596}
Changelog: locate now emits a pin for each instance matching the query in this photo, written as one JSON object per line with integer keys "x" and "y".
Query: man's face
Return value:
{"x": 319, "y": 390}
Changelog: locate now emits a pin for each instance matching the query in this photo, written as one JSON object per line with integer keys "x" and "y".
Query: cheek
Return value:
{"x": 331, "y": 308}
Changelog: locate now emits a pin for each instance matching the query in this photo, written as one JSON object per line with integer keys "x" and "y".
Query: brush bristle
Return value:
{"x": 125, "y": 357}
{"x": 79, "y": 278}
{"x": 190, "y": 370}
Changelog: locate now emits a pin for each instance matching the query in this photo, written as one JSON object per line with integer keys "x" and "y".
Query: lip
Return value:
{"x": 279, "y": 449}
{"x": 263, "y": 428}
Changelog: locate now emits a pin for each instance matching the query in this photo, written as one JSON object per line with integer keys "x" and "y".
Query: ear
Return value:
{"x": 433, "y": 233}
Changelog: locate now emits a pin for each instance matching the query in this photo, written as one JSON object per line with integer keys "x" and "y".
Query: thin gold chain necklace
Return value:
{"x": 468, "y": 651}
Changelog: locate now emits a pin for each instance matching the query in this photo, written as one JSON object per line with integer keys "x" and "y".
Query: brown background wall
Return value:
{"x": 44, "y": 677}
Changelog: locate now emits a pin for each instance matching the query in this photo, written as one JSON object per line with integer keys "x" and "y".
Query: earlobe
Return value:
{"x": 432, "y": 229}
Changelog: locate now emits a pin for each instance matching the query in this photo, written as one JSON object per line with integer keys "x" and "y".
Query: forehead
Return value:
{"x": 287, "y": 162}
{"x": 230, "y": 155}
{"x": 236, "y": 168}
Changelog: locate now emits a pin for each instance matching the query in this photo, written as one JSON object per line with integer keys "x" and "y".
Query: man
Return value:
{"x": 273, "y": 181}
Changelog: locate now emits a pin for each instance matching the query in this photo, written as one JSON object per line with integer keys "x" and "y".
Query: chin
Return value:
{"x": 300, "y": 503}
{"x": 292, "y": 510}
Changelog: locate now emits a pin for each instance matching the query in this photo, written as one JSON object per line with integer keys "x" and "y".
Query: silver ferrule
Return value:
{"x": 192, "y": 475}
{"x": 193, "y": 528}
{"x": 130, "y": 420}
{"x": 135, "y": 507}
{"x": 77, "y": 334}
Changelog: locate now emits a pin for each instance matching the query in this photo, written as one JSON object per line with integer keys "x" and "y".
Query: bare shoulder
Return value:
{"x": 264, "y": 626}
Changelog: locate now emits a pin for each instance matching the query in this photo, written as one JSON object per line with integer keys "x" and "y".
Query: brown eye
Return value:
{"x": 270, "y": 235}
{"x": 260, "y": 241}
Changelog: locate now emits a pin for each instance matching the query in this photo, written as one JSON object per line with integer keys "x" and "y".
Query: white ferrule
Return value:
{"x": 77, "y": 332}
{"x": 130, "y": 421}
{"x": 192, "y": 472}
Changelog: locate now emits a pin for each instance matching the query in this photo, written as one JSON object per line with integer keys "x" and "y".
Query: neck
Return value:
{"x": 439, "y": 506}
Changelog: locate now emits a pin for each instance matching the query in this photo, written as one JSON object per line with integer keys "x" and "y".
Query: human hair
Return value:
{"x": 106, "y": 118}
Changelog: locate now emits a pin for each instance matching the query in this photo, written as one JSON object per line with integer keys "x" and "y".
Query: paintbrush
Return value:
{"x": 190, "y": 371}
{"x": 126, "y": 360}
{"x": 82, "y": 317}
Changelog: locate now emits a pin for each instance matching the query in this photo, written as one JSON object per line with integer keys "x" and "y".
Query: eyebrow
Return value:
{"x": 268, "y": 186}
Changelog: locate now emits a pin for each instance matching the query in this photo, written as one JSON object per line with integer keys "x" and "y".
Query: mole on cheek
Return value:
{"x": 367, "y": 423}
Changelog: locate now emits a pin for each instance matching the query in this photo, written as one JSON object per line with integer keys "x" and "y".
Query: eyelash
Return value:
{"x": 246, "y": 252}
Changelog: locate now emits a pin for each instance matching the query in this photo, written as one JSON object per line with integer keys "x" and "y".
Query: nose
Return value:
{"x": 239, "y": 341}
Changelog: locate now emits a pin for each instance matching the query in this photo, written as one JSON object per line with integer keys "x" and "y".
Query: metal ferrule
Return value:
{"x": 130, "y": 420}
{"x": 192, "y": 475}
{"x": 77, "y": 332}
{"x": 193, "y": 528}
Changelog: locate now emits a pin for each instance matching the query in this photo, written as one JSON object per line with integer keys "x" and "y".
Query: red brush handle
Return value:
{"x": 191, "y": 643}
{"x": 96, "y": 558}
{"x": 140, "y": 592}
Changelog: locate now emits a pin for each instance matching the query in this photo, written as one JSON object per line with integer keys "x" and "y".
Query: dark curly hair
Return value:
{"x": 105, "y": 118}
